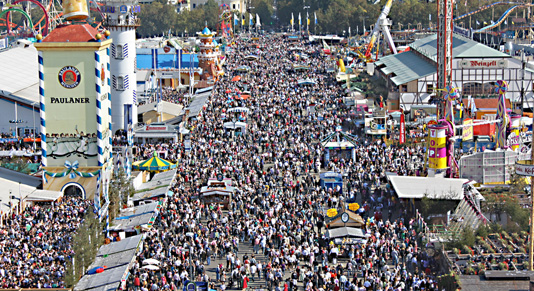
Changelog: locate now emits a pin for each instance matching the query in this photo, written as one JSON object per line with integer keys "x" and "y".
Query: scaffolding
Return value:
{"x": 490, "y": 167}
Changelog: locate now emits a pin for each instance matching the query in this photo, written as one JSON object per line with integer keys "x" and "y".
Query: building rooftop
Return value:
{"x": 20, "y": 82}
{"x": 406, "y": 66}
{"x": 72, "y": 33}
{"x": 462, "y": 48}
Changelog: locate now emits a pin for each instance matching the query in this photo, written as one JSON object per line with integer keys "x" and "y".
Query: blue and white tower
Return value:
{"x": 121, "y": 20}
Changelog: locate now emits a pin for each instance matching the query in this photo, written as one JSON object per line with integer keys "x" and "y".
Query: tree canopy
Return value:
{"x": 333, "y": 16}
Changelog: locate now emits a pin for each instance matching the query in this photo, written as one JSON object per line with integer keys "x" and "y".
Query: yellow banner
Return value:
{"x": 467, "y": 133}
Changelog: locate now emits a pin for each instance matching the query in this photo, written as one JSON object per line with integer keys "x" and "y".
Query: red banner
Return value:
{"x": 402, "y": 130}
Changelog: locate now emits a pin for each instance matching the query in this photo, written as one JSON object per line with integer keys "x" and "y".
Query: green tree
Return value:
{"x": 265, "y": 11}
{"x": 156, "y": 19}
{"x": 121, "y": 188}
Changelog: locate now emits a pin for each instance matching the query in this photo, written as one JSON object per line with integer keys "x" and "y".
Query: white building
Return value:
{"x": 19, "y": 91}
{"x": 411, "y": 76}
{"x": 121, "y": 21}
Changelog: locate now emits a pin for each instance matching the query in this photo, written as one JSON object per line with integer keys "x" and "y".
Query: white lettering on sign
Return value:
{"x": 481, "y": 64}
{"x": 148, "y": 128}
{"x": 524, "y": 169}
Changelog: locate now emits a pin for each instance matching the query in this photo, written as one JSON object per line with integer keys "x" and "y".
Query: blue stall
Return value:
{"x": 330, "y": 180}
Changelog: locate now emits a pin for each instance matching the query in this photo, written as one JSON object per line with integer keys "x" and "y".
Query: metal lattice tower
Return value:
{"x": 444, "y": 43}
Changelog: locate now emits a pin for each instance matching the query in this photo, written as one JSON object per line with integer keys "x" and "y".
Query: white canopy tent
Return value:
{"x": 306, "y": 81}
{"x": 239, "y": 109}
{"x": 431, "y": 187}
{"x": 235, "y": 125}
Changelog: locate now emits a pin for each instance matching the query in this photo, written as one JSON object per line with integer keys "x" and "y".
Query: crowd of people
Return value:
{"x": 274, "y": 228}
{"x": 35, "y": 243}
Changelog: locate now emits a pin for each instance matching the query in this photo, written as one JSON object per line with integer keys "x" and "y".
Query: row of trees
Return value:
{"x": 333, "y": 16}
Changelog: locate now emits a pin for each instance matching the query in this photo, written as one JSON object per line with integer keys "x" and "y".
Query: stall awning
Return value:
{"x": 432, "y": 187}
{"x": 239, "y": 109}
{"x": 234, "y": 125}
{"x": 344, "y": 232}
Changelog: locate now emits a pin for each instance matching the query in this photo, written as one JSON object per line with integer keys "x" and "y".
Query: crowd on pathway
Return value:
{"x": 277, "y": 211}
{"x": 273, "y": 230}
{"x": 35, "y": 244}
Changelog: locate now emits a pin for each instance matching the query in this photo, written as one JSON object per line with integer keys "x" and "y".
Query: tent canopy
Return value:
{"x": 234, "y": 125}
{"x": 344, "y": 232}
{"x": 239, "y": 109}
{"x": 154, "y": 164}
{"x": 432, "y": 187}
{"x": 307, "y": 81}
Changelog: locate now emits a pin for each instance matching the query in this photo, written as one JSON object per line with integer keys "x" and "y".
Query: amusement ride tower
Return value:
{"x": 121, "y": 20}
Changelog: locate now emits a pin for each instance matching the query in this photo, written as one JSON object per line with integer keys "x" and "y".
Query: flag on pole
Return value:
{"x": 292, "y": 19}
{"x": 251, "y": 19}
{"x": 307, "y": 18}
{"x": 349, "y": 30}
{"x": 315, "y": 14}
{"x": 478, "y": 23}
{"x": 506, "y": 22}
{"x": 300, "y": 20}
{"x": 243, "y": 19}
{"x": 258, "y": 23}
{"x": 236, "y": 20}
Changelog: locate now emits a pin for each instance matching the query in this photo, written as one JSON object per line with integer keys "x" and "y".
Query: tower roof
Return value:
{"x": 72, "y": 33}
{"x": 206, "y": 32}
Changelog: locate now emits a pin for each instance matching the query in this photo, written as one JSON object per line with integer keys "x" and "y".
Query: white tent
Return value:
{"x": 432, "y": 187}
{"x": 235, "y": 125}
{"x": 239, "y": 109}
{"x": 307, "y": 81}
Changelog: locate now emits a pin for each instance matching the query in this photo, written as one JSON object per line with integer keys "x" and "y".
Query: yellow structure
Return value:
{"x": 437, "y": 151}
{"x": 76, "y": 134}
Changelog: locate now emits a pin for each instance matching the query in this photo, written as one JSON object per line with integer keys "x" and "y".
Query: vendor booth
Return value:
{"x": 217, "y": 192}
{"x": 331, "y": 180}
{"x": 237, "y": 127}
{"x": 346, "y": 235}
{"x": 339, "y": 145}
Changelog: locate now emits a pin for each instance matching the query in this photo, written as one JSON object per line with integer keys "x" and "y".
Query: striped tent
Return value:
{"x": 154, "y": 164}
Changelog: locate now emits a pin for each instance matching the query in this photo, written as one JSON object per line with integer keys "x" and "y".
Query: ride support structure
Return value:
{"x": 444, "y": 42}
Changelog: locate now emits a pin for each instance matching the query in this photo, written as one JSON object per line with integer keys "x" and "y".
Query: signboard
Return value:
{"x": 123, "y": 9}
{"x": 524, "y": 168}
{"x": 402, "y": 130}
{"x": 467, "y": 132}
{"x": 155, "y": 128}
{"x": 483, "y": 64}
{"x": 71, "y": 117}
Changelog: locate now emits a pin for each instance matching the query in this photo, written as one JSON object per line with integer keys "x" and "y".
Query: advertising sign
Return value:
{"x": 402, "y": 138}
{"x": 467, "y": 132}
{"x": 483, "y": 64}
{"x": 524, "y": 168}
{"x": 71, "y": 122}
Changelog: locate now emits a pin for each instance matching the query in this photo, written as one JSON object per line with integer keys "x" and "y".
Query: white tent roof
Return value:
{"x": 239, "y": 109}
{"x": 432, "y": 187}
{"x": 234, "y": 125}
{"x": 341, "y": 144}
{"x": 20, "y": 78}
{"x": 345, "y": 232}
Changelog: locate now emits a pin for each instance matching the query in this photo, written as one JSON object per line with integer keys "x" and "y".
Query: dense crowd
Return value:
{"x": 35, "y": 243}
{"x": 278, "y": 210}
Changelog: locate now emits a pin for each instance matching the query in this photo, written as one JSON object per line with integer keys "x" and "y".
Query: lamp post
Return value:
{"x": 34, "y": 133}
